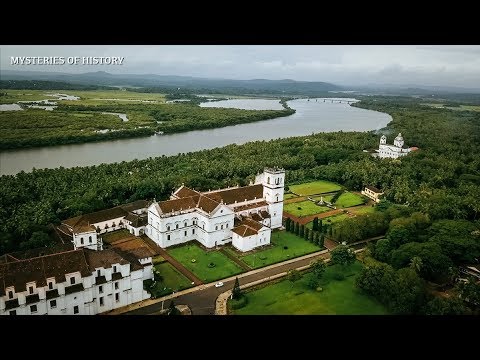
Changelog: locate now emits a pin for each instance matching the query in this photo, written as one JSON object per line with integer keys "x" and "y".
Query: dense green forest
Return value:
{"x": 441, "y": 180}
{"x": 72, "y": 123}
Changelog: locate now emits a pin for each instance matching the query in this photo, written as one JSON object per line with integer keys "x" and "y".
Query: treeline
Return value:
{"x": 441, "y": 179}
{"x": 34, "y": 127}
{"x": 315, "y": 235}
{"x": 48, "y": 85}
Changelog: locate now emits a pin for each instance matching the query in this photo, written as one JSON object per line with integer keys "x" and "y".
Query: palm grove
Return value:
{"x": 431, "y": 208}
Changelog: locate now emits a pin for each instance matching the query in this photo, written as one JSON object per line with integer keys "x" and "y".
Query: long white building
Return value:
{"x": 241, "y": 215}
{"x": 81, "y": 281}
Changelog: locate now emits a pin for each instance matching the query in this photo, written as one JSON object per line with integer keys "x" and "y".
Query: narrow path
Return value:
{"x": 235, "y": 260}
{"x": 175, "y": 263}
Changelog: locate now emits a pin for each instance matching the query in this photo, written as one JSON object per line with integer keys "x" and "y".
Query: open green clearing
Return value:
{"x": 314, "y": 187}
{"x": 224, "y": 267}
{"x": 339, "y": 297}
{"x": 323, "y": 197}
{"x": 78, "y": 121}
{"x": 304, "y": 208}
{"x": 459, "y": 108}
{"x": 296, "y": 246}
{"x": 289, "y": 196}
{"x": 171, "y": 281}
{"x": 348, "y": 199}
{"x": 330, "y": 220}
{"x": 364, "y": 210}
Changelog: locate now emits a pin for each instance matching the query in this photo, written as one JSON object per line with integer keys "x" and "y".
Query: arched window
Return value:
{"x": 216, "y": 227}
{"x": 90, "y": 239}
{"x": 268, "y": 180}
{"x": 81, "y": 240}
{"x": 176, "y": 226}
{"x": 221, "y": 227}
{"x": 203, "y": 226}
{"x": 185, "y": 224}
{"x": 277, "y": 197}
{"x": 168, "y": 228}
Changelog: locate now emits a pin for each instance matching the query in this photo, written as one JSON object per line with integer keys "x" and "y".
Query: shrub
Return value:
{"x": 240, "y": 303}
{"x": 193, "y": 260}
{"x": 285, "y": 247}
{"x": 262, "y": 257}
{"x": 338, "y": 276}
{"x": 211, "y": 265}
{"x": 299, "y": 208}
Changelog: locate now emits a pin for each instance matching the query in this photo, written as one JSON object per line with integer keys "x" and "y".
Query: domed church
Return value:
{"x": 394, "y": 151}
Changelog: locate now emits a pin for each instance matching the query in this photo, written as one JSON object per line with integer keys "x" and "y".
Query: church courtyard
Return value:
{"x": 207, "y": 265}
{"x": 285, "y": 246}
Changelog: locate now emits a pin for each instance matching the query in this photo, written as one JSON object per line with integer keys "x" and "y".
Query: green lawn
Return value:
{"x": 172, "y": 281}
{"x": 115, "y": 235}
{"x": 348, "y": 199}
{"x": 289, "y": 196}
{"x": 224, "y": 267}
{"x": 296, "y": 247}
{"x": 304, "y": 208}
{"x": 333, "y": 219}
{"x": 324, "y": 197}
{"x": 364, "y": 210}
{"x": 314, "y": 187}
{"x": 338, "y": 297}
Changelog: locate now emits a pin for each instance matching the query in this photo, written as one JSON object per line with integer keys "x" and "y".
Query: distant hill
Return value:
{"x": 103, "y": 78}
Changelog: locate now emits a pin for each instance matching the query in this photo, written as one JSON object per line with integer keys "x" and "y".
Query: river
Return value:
{"x": 310, "y": 117}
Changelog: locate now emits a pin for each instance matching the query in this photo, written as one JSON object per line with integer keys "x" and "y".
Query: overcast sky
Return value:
{"x": 453, "y": 65}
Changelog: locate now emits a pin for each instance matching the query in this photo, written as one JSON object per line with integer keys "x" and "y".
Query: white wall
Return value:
{"x": 251, "y": 242}
{"x": 77, "y": 240}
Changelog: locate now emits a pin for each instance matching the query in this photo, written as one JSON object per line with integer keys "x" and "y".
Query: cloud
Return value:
{"x": 346, "y": 65}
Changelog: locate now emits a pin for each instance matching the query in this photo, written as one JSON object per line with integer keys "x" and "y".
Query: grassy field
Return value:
{"x": 304, "y": 208}
{"x": 224, "y": 267}
{"x": 348, "y": 199}
{"x": 289, "y": 196}
{"x": 338, "y": 297}
{"x": 92, "y": 97}
{"x": 115, "y": 235}
{"x": 458, "y": 108}
{"x": 364, "y": 210}
{"x": 296, "y": 247}
{"x": 330, "y": 220}
{"x": 324, "y": 197}
{"x": 315, "y": 187}
{"x": 172, "y": 280}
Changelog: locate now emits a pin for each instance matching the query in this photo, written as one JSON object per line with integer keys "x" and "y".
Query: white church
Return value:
{"x": 398, "y": 149}
{"x": 243, "y": 216}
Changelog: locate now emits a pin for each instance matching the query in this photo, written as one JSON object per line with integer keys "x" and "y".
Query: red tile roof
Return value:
{"x": 229, "y": 196}
{"x": 184, "y": 191}
{"x": 169, "y": 206}
{"x": 247, "y": 227}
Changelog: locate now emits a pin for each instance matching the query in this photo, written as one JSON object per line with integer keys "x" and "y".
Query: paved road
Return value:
{"x": 202, "y": 302}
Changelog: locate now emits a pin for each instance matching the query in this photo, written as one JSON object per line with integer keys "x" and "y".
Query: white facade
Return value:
{"x": 392, "y": 151}
{"x": 247, "y": 243}
{"x": 89, "y": 291}
{"x": 209, "y": 217}
{"x": 372, "y": 193}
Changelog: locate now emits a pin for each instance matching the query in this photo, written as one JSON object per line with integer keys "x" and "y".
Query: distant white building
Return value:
{"x": 82, "y": 281}
{"x": 398, "y": 149}
{"x": 241, "y": 215}
{"x": 372, "y": 192}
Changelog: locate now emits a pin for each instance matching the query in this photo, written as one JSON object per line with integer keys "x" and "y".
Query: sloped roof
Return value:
{"x": 247, "y": 227}
{"x": 374, "y": 189}
{"x": 139, "y": 204}
{"x": 104, "y": 258}
{"x": 207, "y": 204}
{"x": 184, "y": 191}
{"x": 39, "y": 269}
{"x": 84, "y": 223}
{"x": 229, "y": 196}
{"x": 168, "y": 206}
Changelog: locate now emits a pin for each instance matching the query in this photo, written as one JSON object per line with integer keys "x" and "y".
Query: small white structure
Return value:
{"x": 213, "y": 217}
{"x": 372, "y": 192}
{"x": 82, "y": 281}
{"x": 398, "y": 149}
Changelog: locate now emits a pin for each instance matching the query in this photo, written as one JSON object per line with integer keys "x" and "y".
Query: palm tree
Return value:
{"x": 416, "y": 263}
